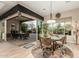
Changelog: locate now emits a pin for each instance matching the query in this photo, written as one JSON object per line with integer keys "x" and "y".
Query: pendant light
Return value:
{"x": 51, "y": 12}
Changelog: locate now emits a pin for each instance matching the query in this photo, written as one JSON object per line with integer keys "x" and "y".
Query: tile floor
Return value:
{"x": 10, "y": 50}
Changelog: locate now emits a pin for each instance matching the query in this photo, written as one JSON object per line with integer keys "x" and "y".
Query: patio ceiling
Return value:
{"x": 20, "y": 9}
{"x": 23, "y": 19}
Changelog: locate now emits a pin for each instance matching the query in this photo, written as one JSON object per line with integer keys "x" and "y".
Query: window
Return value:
{"x": 60, "y": 26}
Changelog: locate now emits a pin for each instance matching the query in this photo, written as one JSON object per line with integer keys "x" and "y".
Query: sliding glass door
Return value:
{"x": 61, "y": 27}
{"x": 39, "y": 28}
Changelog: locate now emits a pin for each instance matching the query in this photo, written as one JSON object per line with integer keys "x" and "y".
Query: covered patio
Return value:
{"x": 13, "y": 21}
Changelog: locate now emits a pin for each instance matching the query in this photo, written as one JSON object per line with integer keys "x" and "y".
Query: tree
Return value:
{"x": 24, "y": 27}
{"x": 45, "y": 28}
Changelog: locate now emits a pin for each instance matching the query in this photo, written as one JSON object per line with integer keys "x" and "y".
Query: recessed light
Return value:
{"x": 67, "y": 1}
{"x": 43, "y": 9}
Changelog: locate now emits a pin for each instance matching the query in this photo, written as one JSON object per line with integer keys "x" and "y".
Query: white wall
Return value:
{"x": 72, "y": 13}
{"x": 2, "y": 29}
{"x": 10, "y": 22}
{"x": 75, "y": 17}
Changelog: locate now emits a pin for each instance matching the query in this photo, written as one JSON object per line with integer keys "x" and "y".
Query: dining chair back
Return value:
{"x": 46, "y": 41}
{"x": 46, "y": 46}
{"x": 63, "y": 40}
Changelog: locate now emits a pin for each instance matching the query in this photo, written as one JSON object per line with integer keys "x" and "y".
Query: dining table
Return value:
{"x": 56, "y": 38}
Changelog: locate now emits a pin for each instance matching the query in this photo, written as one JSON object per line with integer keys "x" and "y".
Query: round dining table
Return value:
{"x": 54, "y": 39}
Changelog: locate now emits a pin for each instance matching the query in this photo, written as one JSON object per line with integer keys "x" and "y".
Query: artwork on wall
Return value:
{"x": 13, "y": 26}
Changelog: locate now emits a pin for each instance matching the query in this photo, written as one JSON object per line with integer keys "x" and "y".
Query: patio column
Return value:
{"x": 5, "y": 30}
{"x": 37, "y": 41}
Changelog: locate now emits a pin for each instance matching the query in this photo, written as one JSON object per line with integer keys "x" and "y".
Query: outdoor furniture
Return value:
{"x": 23, "y": 36}
{"x": 14, "y": 34}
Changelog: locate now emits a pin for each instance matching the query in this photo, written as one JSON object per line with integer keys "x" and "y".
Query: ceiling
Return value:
{"x": 40, "y": 7}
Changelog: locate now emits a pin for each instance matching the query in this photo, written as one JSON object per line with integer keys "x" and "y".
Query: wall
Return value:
{"x": 75, "y": 17}
{"x": 2, "y": 25}
{"x": 72, "y": 13}
{"x": 10, "y": 22}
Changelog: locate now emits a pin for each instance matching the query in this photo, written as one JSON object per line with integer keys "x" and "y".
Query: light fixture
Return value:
{"x": 19, "y": 14}
{"x": 67, "y": 1}
{"x": 51, "y": 16}
{"x": 43, "y": 9}
{"x": 51, "y": 21}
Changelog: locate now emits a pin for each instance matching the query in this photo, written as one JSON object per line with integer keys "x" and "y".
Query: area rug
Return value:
{"x": 38, "y": 53}
{"x": 28, "y": 45}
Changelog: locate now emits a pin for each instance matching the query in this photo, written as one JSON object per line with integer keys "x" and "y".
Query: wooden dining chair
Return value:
{"x": 46, "y": 46}
{"x": 61, "y": 45}
{"x": 62, "y": 41}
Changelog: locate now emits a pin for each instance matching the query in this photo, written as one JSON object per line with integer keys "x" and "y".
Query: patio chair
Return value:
{"x": 14, "y": 35}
